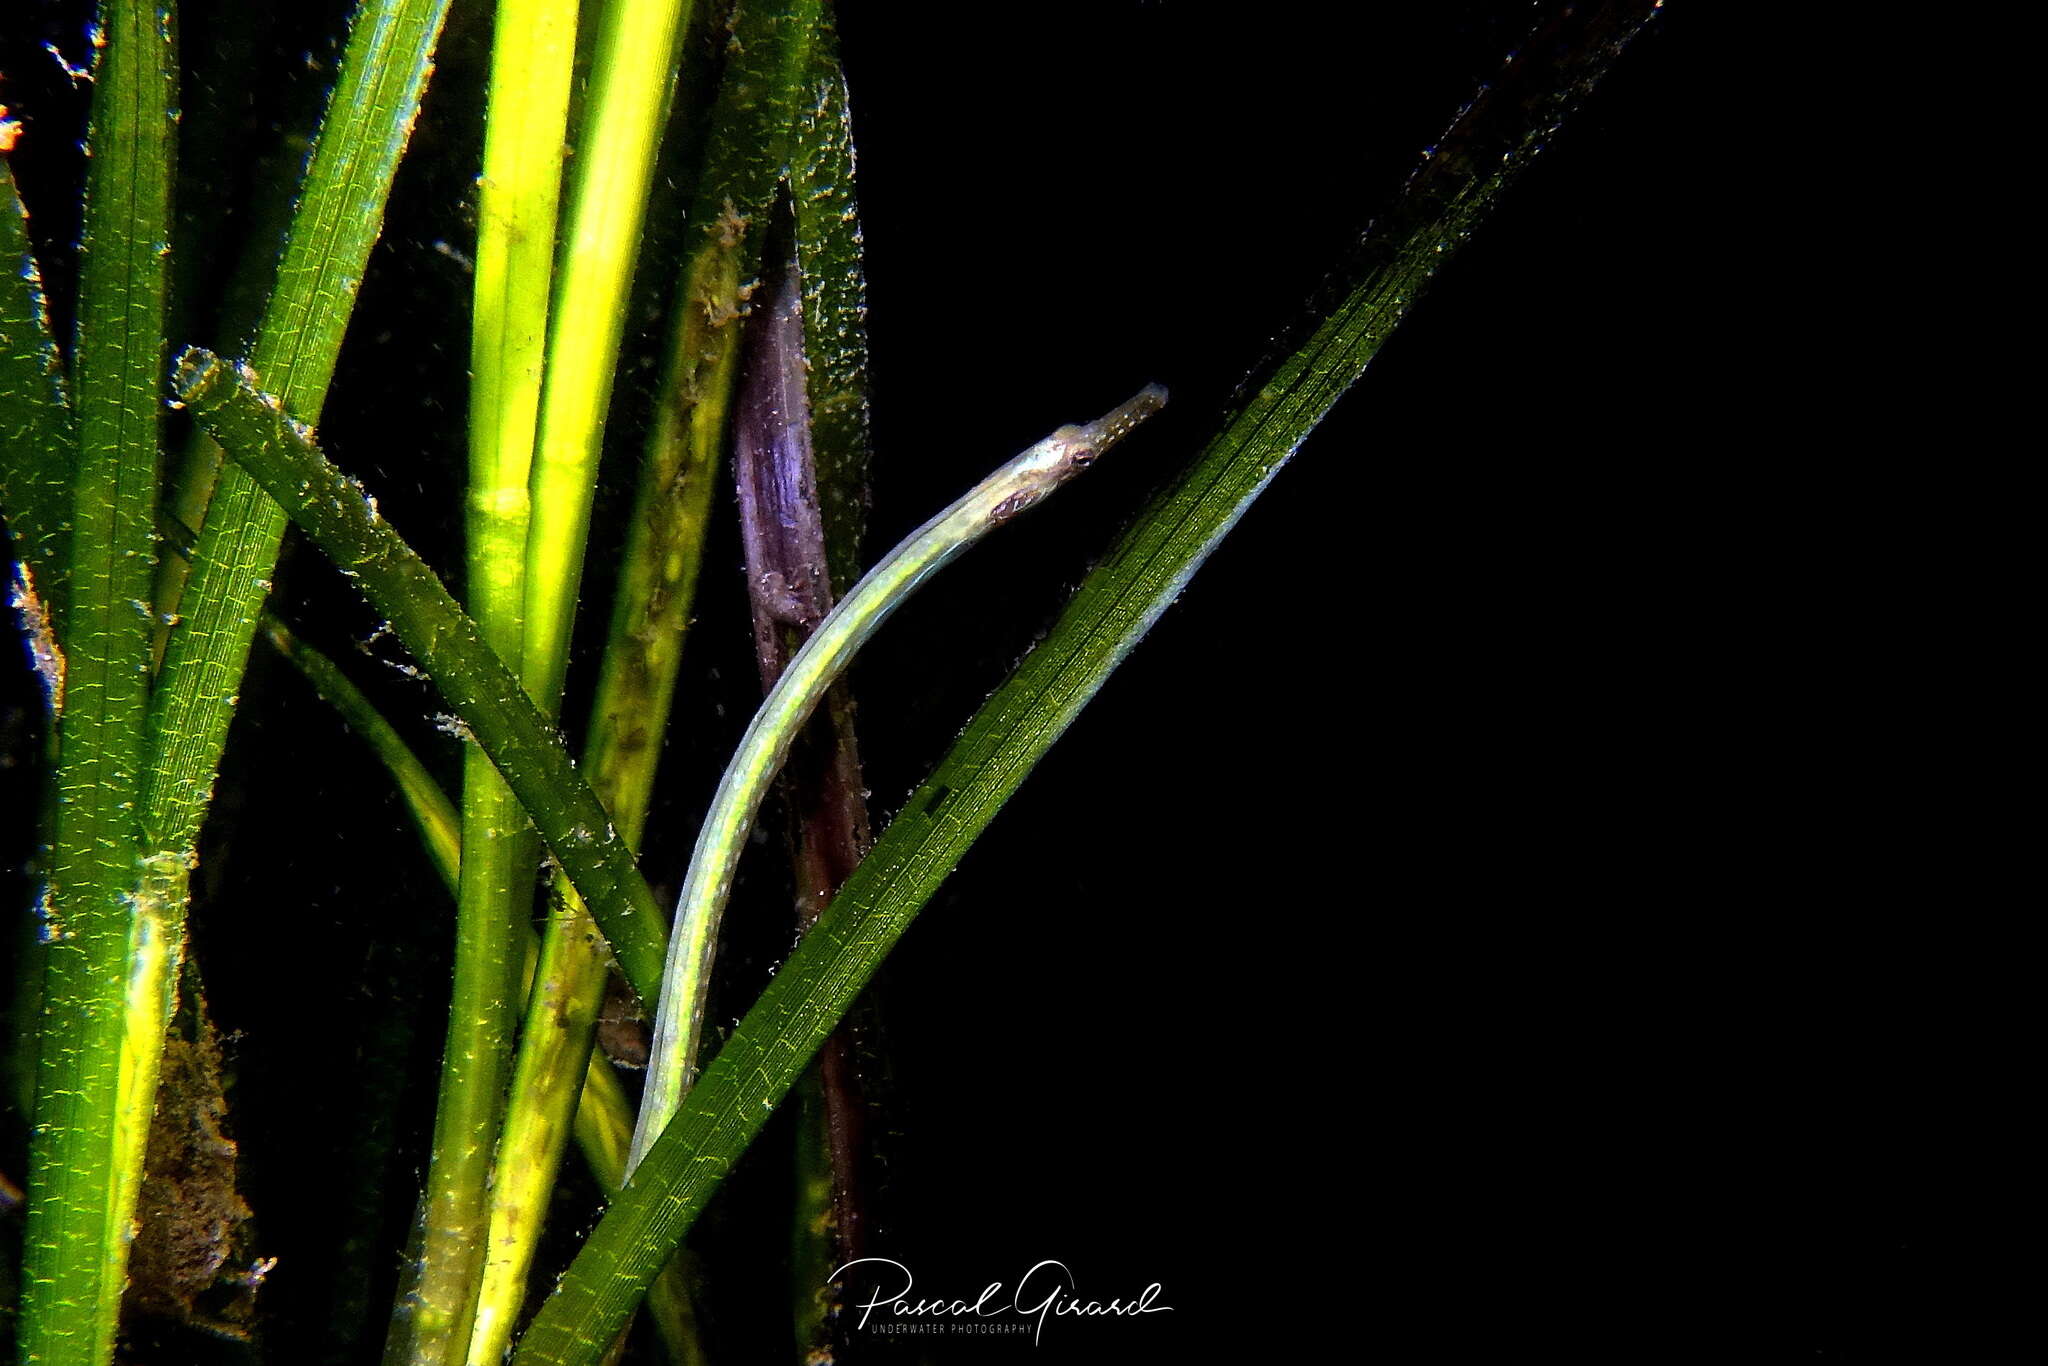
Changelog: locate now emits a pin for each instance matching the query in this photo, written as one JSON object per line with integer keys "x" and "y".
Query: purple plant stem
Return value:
{"x": 790, "y": 589}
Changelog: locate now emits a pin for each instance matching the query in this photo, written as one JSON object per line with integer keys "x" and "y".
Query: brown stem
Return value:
{"x": 790, "y": 589}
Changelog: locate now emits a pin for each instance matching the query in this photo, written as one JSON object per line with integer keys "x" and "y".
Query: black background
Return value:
{"x": 1487, "y": 919}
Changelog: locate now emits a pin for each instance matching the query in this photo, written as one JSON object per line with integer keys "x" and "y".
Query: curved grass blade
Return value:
{"x": 332, "y": 509}
{"x": 1491, "y": 141}
{"x": 113, "y": 928}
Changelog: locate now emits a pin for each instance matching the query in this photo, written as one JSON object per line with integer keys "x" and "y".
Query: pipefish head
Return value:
{"x": 1115, "y": 424}
{"x": 1085, "y": 443}
{"x": 1071, "y": 449}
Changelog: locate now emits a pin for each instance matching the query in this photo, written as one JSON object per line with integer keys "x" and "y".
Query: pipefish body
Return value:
{"x": 1023, "y": 482}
